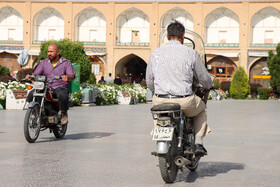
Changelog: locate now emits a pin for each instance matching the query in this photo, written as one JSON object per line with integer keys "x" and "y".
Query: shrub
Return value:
{"x": 23, "y": 72}
{"x": 73, "y": 51}
{"x": 264, "y": 93}
{"x": 225, "y": 85}
{"x": 239, "y": 88}
{"x": 6, "y": 79}
{"x": 76, "y": 98}
{"x": 273, "y": 64}
{"x": 217, "y": 85}
{"x": 4, "y": 71}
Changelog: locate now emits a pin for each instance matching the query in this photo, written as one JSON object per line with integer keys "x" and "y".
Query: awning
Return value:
{"x": 258, "y": 53}
{"x": 225, "y": 54}
{"x": 34, "y": 52}
{"x": 91, "y": 53}
{"x": 11, "y": 51}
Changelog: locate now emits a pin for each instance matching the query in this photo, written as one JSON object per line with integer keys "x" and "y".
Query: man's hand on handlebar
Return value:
{"x": 66, "y": 78}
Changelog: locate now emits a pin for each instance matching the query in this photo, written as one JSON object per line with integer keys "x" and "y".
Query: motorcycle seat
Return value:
{"x": 166, "y": 107}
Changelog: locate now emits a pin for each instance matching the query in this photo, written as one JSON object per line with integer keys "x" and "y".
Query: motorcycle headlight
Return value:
{"x": 38, "y": 85}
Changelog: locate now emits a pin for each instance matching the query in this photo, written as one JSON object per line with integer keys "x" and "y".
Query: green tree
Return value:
{"x": 4, "y": 71}
{"x": 73, "y": 51}
{"x": 273, "y": 64}
{"x": 239, "y": 87}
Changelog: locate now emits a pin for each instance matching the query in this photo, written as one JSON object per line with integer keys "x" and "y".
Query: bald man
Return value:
{"x": 56, "y": 65}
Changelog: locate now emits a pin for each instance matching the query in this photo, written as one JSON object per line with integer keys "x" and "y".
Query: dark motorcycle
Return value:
{"x": 44, "y": 111}
{"x": 174, "y": 132}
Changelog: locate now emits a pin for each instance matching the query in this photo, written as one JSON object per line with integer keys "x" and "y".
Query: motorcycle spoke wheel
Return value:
{"x": 31, "y": 127}
{"x": 193, "y": 166}
{"x": 167, "y": 166}
{"x": 60, "y": 130}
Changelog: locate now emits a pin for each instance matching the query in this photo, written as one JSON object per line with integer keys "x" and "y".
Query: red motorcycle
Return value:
{"x": 43, "y": 111}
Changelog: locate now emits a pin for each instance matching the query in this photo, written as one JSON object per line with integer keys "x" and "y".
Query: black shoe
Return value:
{"x": 200, "y": 150}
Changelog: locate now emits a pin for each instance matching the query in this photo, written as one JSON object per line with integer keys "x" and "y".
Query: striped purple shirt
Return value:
{"x": 63, "y": 67}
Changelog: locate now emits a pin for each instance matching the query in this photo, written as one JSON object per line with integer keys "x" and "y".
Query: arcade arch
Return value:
{"x": 10, "y": 61}
{"x": 257, "y": 69}
{"x": 11, "y": 24}
{"x": 132, "y": 68}
{"x": 90, "y": 26}
{"x": 48, "y": 25}
{"x": 97, "y": 66}
{"x": 133, "y": 26}
{"x": 178, "y": 14}
{"x": 222, "y": 26}
{"x": 223, "y": 68}
{"x": 265, "y": 26}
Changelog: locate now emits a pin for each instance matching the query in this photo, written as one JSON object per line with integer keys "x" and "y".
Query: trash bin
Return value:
{"x": 149, "y": 95}
{"x": 74, "y": 85}
{"x": 88, "y": 94}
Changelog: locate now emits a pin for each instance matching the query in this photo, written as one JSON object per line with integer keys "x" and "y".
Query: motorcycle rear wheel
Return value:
{"x": 193, "y": 166}
{"x": 31, "y": 127}
{"x": 167, "y": 166}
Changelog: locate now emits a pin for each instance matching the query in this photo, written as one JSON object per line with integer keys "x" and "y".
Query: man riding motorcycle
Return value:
{"x": 169, "y": 75}
{"x": 56, "y": 65}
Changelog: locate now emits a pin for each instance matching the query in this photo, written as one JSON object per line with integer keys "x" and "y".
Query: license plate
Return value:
{"x": 163, "y": 133}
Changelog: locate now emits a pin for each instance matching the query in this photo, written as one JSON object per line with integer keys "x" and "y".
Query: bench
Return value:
{"x": 16, "y": 99}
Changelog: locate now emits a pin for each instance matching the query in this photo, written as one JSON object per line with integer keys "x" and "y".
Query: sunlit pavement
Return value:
{"x": 111, "y": 146}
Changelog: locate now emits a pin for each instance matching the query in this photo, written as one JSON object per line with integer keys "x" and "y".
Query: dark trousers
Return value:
{"x": 62, "y": 95}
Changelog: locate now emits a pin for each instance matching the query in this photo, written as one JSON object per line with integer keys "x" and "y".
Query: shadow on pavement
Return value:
{"x": 79, "y": 136}
{"x": 208, "y": 169}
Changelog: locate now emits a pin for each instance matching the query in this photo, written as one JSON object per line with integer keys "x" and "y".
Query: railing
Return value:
{"x": 263, "y": 45}
{"x": 10, "y": 42}
{"x": 133, "y": 44}
{"x": 93, "y": 43}
{"x": 221, "y": 44}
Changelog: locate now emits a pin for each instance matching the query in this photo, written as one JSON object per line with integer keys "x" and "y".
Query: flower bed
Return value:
{"x": 14, "y": 85}
{"x": 107, "y": 94}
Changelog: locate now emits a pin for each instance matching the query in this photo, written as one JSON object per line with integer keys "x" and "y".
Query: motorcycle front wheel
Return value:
{"x": 31, "y": 126}
{"x": 167, "y": 166}
{"x": 60, "y": 130}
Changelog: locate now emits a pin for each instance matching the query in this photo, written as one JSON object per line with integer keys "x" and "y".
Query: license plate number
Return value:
{"x": 163, "y": 133}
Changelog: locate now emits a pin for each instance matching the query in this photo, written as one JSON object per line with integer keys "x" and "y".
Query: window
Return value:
{"x": 222, "y": 36}
{"x": 11, "y": 34}
{"x": 51, "y": 34}
{"x": 135, "y": 36}
{"x": 92, "y": 35}
{"x": 96, "y": 69}
{"x": 268, "y": 36}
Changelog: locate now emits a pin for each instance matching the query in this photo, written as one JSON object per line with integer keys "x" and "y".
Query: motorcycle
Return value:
{"x": 174, "y": 132}
{"x": 43, "y": 111}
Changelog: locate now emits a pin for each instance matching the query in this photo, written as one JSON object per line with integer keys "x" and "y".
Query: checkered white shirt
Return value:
{"x": 171, "y": 69}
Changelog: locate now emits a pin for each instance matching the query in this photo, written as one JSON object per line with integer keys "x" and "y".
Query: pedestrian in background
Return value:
{"x": 109, "y": 79}
{"x": 118, "y": 80}
{"x": 102, "y": 81}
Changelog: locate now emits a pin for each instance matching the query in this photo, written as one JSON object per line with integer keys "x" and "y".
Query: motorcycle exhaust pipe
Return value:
{"x": 181, "y": 161}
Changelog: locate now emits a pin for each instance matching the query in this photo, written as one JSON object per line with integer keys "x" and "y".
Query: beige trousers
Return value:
{"x": 192, "y": 106}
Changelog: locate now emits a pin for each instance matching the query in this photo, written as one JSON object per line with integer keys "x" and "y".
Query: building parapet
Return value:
{"x": 221, "y": 44}
{"x": 263, "y": 45}
{"x": 133, "y": 44}
{"x": 11, "y": 42}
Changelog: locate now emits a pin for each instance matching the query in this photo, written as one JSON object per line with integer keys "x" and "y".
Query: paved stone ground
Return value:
{"x": 110, "y": 146}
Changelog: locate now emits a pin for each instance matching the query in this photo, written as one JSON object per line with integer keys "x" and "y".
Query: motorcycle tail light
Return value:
{"x": 38, "y": 85}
